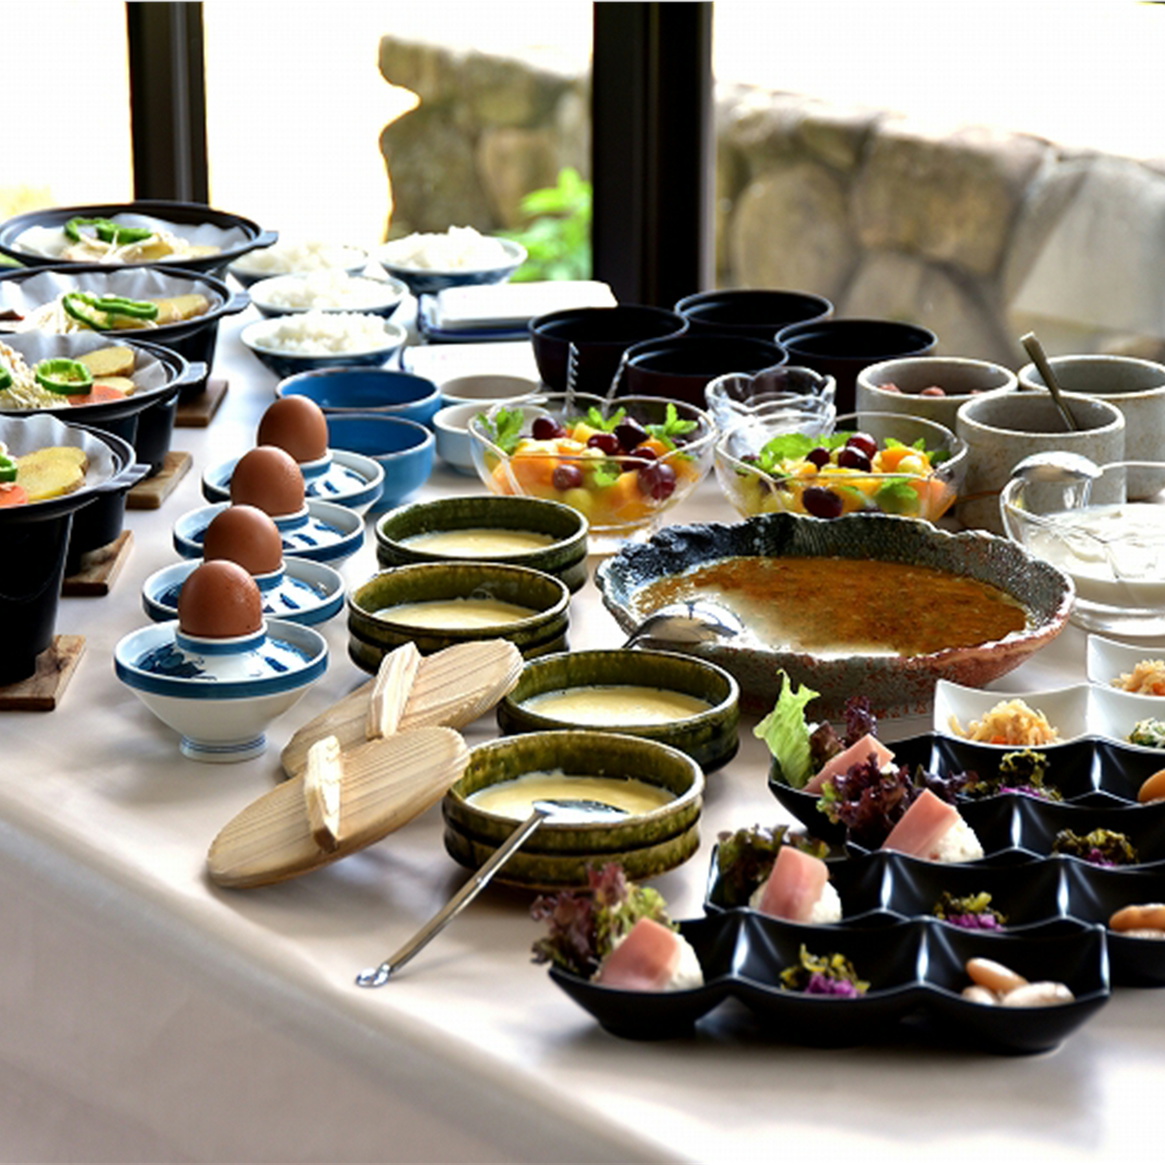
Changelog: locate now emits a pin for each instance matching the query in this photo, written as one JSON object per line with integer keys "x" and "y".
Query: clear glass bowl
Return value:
{"x": 759, "y": 478}
{"x": 737, "y": 395}
{"x": 1112, "y": 548}
{"x": 621, "y": 492}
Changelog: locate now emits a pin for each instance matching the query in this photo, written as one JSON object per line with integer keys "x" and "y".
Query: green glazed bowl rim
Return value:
{"x": 591, "y": 742}
{"x": 704, "y": 666}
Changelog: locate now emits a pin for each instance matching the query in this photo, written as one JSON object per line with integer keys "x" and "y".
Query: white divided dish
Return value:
{"x": 1068, "y": 710}
{"x": 1107, "y": 660}
{"x": 1080, "y": 710}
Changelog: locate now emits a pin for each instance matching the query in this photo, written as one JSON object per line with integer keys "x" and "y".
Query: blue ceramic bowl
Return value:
{"x": 366, "y": 390}
{"x": 424, "y": 281}
{"x": 404, "y": 449}
{"x": 284, "y": 363}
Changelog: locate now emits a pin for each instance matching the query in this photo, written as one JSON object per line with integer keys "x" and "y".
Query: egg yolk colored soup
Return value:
{"x": 841, "y": 606}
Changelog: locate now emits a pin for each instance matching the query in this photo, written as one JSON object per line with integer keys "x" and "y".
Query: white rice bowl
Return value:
{"x": 325, "y": 289}
{"x": 283, "y": 258}
{"x": 320, "y": 333}
{"x": 457, "y": 249}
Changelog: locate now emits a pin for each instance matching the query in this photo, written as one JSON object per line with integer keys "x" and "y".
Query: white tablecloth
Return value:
{"x": 145, "y": 1015}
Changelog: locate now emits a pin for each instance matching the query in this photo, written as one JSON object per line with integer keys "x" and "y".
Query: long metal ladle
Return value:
{"x": 563, "y": 808}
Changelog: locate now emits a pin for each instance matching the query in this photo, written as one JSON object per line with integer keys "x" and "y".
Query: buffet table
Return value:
{"x": 149, "y": 1016}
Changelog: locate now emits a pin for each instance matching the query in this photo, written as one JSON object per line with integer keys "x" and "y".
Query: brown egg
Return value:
{"x": 296, "y": 425}
{"x": 219, "y": 600}
{"x": 269, "y": 478}
{"x": 246, "y": 535}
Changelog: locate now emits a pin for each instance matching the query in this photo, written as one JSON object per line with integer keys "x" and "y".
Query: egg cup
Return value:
{"x": 220, "y": 694}
{"x": 320, "y": 531}
{"x": 341, "y": 477}
{"x": 301, "y": 591}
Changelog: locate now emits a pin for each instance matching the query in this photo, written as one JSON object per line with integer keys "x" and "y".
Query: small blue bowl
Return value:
{"x": 366, "y": 390}
{"x": 425, "y": 281}
{"x": 284, "y": 363}
{"x": 404, "y": 449}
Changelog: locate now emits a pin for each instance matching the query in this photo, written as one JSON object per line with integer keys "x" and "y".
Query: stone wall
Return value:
{"x": 977, "y": 233}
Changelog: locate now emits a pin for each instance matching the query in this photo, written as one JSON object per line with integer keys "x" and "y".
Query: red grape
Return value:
{"x": 606, "y": 442}
{"x": 657, "y": 480}
{"x": 644, "y": 453}
{"x": 566, "y": 477}
{"x": 851, "y": 457}
{"x": 546, "y": 429}
{"x": 864, "y": 443}
{"x": 630, "y": 433}
{"x": 818, "y": 456}
{"x": 821, "y": 502}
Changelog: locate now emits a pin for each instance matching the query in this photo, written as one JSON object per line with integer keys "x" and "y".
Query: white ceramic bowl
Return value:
{"x": 1107, "y": 660}
{"x": 454, "y": 445}
{"x": 379, "y": 297}
{"x": 485, "y": 389}
{"x": 222, "y": 719}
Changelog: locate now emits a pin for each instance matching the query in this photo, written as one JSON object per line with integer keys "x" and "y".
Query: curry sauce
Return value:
{"x": 842, "y": 605}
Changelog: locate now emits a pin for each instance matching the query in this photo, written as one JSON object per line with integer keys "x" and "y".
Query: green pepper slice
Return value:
{"x": 5, "y": 377}
{"x": 106, "y": 230}
{"x": 7, "y": 468}
{"x": 97, "y": 311}
{"x": 65, "y": 376}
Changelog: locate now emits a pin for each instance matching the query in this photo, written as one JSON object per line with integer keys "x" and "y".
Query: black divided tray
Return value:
{"x": 915, "y": 968}
{"x": 1097, "y": 778}
{"x": 883, "y": 889}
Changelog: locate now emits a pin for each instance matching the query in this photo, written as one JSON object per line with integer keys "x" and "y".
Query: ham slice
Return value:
{"x": 644, "y": 961}
{"x": 922, "y": 826}
{"x": 856, "y": 754}
{"x": 795, "y": 885}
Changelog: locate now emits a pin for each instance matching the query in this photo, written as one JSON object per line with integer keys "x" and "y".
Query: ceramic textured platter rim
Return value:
{"x": 894, "y": 683}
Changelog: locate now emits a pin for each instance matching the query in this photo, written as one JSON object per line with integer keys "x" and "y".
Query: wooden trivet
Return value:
{"x": 196, "y": 413}
{"x": 151, "y": 492}
{"x": 99, "y": 568}
{"x": 44, "y": 688}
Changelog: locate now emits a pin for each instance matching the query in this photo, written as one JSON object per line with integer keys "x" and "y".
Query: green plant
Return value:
{"x": 558, "y": 235}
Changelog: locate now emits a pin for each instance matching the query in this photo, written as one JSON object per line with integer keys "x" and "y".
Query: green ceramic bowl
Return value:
{"x": 710, "y": 738}
{"x": 579, "y": 753}
{"x": 550, "y": 872}
{"x": 371, "y": 636}
{"x": 565, "y": 557}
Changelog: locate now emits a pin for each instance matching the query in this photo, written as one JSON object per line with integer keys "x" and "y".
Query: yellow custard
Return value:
{"x": 478, "y": 542}
{"x": 621, "y": 704}
{"x": 596, "y": 798}
{"x": 455, "y": 614}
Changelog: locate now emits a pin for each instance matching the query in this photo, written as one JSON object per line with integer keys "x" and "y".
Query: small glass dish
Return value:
{"x": 737, "y": 395}
{"x": 864, "y": 462}
{"x": 572, "y": 448}
{"x": 1111, "y": 545}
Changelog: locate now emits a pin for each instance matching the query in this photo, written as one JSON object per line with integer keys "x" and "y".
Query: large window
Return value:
{"x": 66, "y": 105}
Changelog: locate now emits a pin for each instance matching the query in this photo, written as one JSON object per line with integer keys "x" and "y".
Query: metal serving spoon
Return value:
{"x": 564, "y": 809}
{"x": 689, "y": 621}
{"x": 1036, "y": 351}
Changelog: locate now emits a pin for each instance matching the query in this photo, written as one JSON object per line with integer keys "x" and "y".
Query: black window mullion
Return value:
{"x": 167, "y": 101}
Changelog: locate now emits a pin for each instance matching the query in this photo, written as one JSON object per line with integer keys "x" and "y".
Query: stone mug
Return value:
{"x": 1136, "y": 387}
{"x": 1001, "y": 429}
{"x": 961, "y": 378}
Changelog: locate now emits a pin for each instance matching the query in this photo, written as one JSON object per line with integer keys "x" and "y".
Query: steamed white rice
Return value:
{"x": 458, "y": 249}
{"x": 326, "y": 289}
{"x": 826, "y": 909}
{"x": 282, "y": 258}
{"x": 320, "y": 333}
{"x": 958, "y": 844}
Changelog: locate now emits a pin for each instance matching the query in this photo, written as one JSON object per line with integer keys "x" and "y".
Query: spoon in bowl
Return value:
{"x": 569, "y": 810}
{"x": 688, "y": 621}
{"x": 1036, "y": 351}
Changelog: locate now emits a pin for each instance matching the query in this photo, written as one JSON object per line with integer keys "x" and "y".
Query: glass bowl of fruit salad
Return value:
{"x": 621, "y": 463}
{"x": 886, "y": 463}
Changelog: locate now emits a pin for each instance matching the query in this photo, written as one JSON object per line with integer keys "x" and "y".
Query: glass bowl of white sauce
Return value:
{"x": 1110, "y": 542}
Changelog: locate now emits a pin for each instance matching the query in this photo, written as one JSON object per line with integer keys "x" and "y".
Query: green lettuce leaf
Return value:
{"x": 786, "y": 732}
